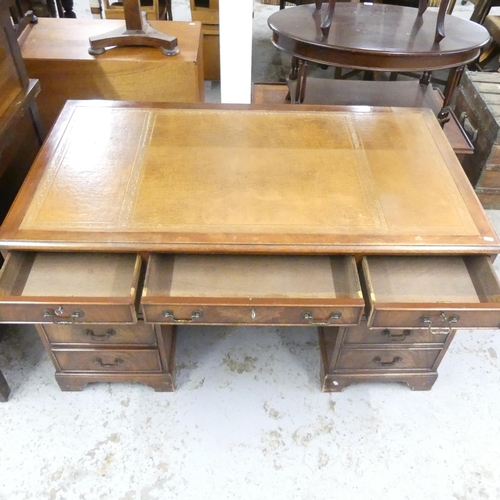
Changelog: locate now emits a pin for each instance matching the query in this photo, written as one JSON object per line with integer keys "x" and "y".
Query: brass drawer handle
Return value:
{"x": 99, "y": 338}
{"x": 116, "y": 362}
{"x": 379, "y": 361}
{"x": 194, "y": 316}
{"x": 59, "y": 318}
{"x": 397, "y": 337}
{"x": 438, "y": 330}
{"x": 309, "y": 317}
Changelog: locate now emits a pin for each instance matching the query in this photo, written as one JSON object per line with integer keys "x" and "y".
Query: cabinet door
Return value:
{"x": 254, "y": 290}
{"x": 435, "y": 293}
{"x": 69, "y": 288}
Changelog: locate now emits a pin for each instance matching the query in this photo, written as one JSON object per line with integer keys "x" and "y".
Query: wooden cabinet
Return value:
{"x": 56, "y": 52}
{"x": 359, "y": 354}
{"x": 240, "y": 215}
{"x": 207, "y": 12}
{"x": 21, "y": 133}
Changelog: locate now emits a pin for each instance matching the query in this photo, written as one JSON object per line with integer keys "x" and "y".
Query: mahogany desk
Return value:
{"x": 362, "y": 223}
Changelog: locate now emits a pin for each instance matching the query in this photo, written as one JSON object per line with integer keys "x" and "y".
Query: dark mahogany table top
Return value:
{"x": 377, "y": 37}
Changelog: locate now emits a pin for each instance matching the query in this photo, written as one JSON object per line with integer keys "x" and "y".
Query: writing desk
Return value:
{"x": 360, "y": 222}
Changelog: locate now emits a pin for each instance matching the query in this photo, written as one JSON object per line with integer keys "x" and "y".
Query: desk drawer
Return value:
{"x": 139, "y": 333}
{"x": 69, "y": 288}
{"x": 361, "y": 334}
{"x": 435, "y": 293}
{"x": 108, "y": 360}
{"x": 387, "y": 359}
{"x": 254, "y": 290}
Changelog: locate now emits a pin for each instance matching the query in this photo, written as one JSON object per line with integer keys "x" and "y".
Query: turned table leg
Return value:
{"x": 451, "y": 84}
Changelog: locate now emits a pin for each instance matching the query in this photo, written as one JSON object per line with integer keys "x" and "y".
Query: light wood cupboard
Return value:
{"x": 55, "y": 52}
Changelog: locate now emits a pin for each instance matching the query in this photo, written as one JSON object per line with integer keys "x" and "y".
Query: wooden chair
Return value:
{"x": 297, "y": 2}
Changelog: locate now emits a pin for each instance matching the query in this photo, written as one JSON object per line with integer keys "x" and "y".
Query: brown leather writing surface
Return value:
{"x": 285, "y": 180}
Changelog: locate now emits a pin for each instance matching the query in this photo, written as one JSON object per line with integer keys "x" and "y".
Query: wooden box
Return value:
{"x": 478, "y": 108}
{"x": 56, "y": 52}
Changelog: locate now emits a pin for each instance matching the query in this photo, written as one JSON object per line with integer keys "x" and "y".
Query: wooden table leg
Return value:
{"x": 4, "y": 389}
{"x": 300, "y": 89}
{"x": 451, "y": 84}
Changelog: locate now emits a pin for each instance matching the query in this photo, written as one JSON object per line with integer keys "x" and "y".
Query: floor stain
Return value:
{"x": 492, "y": 353}
{"x": 273, "y": 440}
{"x": 247, "y": 365}
{"x": 323, "y": 459}
{"x": 114, "y": 438}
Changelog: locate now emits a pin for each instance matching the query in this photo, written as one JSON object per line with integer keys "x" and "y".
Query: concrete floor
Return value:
{"x": 248, "y": 421}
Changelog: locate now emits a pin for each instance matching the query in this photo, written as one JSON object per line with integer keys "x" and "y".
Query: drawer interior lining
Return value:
{"x": 74, "y": 275}
{"x": 243, "y": 276}
{"x": 429, "y": 279}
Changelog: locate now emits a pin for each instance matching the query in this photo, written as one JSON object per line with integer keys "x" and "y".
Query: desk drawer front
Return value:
{"x": 387, "y": 359}
{"x": 69, "y": 288}
{"x": 101, "y": 334}
{"x": 363, "y": 335}
{"x": 107, "y": 360}
{"x": 433, "y": 293}
{"x": 250, "y": 315}
{"x": 252, "y": 289}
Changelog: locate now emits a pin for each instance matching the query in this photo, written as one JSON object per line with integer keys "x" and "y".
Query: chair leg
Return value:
{"x": 168, "y": 11}
{"x": 282, "y": 4}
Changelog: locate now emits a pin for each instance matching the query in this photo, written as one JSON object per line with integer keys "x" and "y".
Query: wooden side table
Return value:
{"x": 56, "y": 52}
{"x": 377, "y": 38}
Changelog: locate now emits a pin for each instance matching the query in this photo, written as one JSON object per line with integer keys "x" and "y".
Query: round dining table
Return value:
{"x": 377, "y": 37}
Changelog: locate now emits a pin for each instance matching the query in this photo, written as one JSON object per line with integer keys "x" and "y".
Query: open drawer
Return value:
{"x": 436, "y": 293}
{"x": 254, "y": 290}
{"x": 69, "y": 288}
